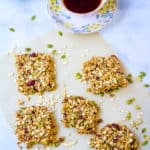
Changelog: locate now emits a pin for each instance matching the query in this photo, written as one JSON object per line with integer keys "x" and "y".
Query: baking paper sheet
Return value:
{"x": 78, "y": 48}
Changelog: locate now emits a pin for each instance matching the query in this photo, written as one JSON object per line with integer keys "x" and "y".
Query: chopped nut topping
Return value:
{"x": 36, "y": 125}
{"x": 104, "y": 74}
{"x": 36, "y": 73}
{"x": 114, "y": 136}
{"x": 81, "y": 114}
{"x": 102, "y": 94}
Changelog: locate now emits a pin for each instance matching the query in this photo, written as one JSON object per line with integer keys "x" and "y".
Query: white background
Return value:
{"x": 128, "y": 34}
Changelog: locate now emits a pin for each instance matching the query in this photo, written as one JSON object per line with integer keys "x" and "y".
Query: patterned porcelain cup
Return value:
{"x": 99, "y": 6}
{"x": 85, "y": 22}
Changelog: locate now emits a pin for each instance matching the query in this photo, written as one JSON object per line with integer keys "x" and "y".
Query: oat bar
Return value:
{"x": 36, "y": 73}
{"x": 36, "y": 125}
{"x": 114, "y": 137}
{"x": 104, "y": 74}
{"x": 81, "y": 114}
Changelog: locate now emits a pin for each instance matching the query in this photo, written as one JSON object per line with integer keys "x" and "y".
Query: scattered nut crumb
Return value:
{"x": 20, "y": 102}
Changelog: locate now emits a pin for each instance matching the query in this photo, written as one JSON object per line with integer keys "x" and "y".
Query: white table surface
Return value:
{"x": 128, "y": 34}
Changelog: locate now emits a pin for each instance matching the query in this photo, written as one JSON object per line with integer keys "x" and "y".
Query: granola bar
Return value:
{"x": 36, "y": 73}
{"x": 36, "y": 125}
{"x": 104, "y": 74}
{"x": 116, "y": 137}
{"x": 81, "y": 114}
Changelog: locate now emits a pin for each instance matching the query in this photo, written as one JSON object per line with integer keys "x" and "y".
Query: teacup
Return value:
{"x": 82, "y": 6}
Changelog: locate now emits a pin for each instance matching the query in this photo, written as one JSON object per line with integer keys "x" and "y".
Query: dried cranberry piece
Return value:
{"x": 33, "y": 55}
{"x": 80, "y": 117}
{"x": 116, "y": 126}
{"x": 20, "y": 64}
{"x": 99, "y": 135}
{"x": 97, "y": 78}
{"x": 89, "y": 129}
{"x": 25, "y": 130}
{"x": 31, "y": 83}
{"x": 99, "y": 120}
{"x": 97, "y": 65}
{"x": 65, "y": 115}
{"x": 61, "y": 139}
{"x": 115, "y": 140}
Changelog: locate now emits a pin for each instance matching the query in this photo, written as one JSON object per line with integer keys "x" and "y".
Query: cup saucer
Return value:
{"x": 82, "y": 23}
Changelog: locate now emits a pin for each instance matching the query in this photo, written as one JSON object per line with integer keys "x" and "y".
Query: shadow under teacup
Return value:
{"x": 82, "y": 6}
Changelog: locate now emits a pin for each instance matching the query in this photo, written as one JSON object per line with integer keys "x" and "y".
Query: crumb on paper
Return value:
{"x": 130, "y": 101}
{"x": 64, "y": 62}
{"x": 33, "y": 18}
{"x": 60, "y": 33}
{"x": 12, "y": 74}
{"x": 11, "y": 29}
{"x": 137, "y": 122}
{"x": 54, "y": 52}
{"x": 141, "y": 113}
{"x": 141, "y": 76}
{"x": 21, "y": 102}
{"x": 122, "y": 110}
{"x": 28, "y": 98}
{"x": 78, "y": 75}
{"x": 70, "y": 143}
{"x": 51, "y": 102}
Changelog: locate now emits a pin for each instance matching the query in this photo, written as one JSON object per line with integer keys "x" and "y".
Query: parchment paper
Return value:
{"x": 79, "y": 48}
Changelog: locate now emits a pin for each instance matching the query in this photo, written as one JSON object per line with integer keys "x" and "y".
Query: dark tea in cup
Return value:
{"x": 82, "y": 6}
